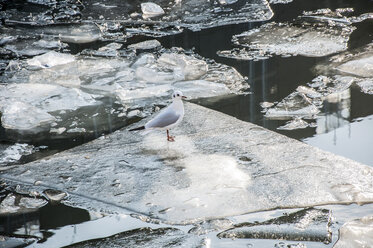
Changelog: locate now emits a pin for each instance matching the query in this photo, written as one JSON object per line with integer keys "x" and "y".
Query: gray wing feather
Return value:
{"x": 164, "y": 119}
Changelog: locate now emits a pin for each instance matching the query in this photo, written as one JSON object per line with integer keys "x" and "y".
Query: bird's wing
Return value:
{"x": 163, "y": 119}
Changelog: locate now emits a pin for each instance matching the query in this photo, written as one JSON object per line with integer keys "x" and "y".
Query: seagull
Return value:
{"x": 168, "y": 118}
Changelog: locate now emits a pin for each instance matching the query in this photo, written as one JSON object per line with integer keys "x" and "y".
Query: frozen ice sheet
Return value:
{"x": 12, "y": 153}
{"x": 14, "y": 203}
{"x": 294, "y": 105}
{"x": 193, "y": 14}
{"x": 306, "y": 102}
{"x": 296, "y": 123}
{"x": 356, "y": 65}
{"x": 215, "y": 168}
{"x": 148, "y": 238}
{"x": 356, "y": 233}
{"x": 59, "y": 90}
{"x": 305, "y": 225}
{"x": 312, "y": 39}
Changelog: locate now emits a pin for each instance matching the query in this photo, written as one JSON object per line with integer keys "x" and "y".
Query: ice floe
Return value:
{"x": 214, "y": 170}
{"x": 356, "y": 233}
{"x": 54, "y": 87}
{"x": 314, "y": 34}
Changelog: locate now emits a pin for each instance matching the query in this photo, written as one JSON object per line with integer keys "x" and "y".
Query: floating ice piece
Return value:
{"x": 173, "y": 16}
{"x": 74, "y": 33}
{"x": 146, "y": 237}
{"x": 366, "y": 86}
{"x": 311, "y": 93}
{"x": 201, "y": 176}
{"x": 266, "y": 104}
{"x": 50, "y": 59}
{"x": 22, "y": 116}
{"x": 280, "y": 1}
{"x": 48, "y": 98}
{"x": 356, "y": 233}
{"x": 361, "y": 67}
{"x": 30, "y": 47}
{"x": 296, "y": 123}
{"x": 138, "y": 82}
{"x": 192, "y": 68}
{"x": 304, "y": 225}
{"x": 294, "y": 105}
{"x": 150, "y": 9}
{"x": 54, "y": 196}
{"x": 226, "y": 2}
{"x": 290, "y": 39}
{"x": 14, "y": 152}
{"x": 212, "y": 225}
{"x": 145, "y": 45}
{"x": 316, "y": 39}
{"x": 18, "y": 204}
{"x": 201, "y": 88}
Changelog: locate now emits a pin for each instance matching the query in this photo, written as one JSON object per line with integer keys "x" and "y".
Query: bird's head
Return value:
{"x": 178, "y": 95}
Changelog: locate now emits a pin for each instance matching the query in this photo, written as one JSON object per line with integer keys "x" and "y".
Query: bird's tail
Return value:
{"x": 137, "y": 128}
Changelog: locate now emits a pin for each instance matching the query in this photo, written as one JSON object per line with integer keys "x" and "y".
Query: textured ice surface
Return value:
{"x": 193, "y": 14}
{"x": 294, "y": 105}
{"x": 356, "y": 64}
{"x": 216, "y": 167}
{"x": 14, "y": 152}
{"x": 280, "y": 1}
{"x": 306, "y": 102}
{"x": 66, "y": 95}
{"x": 14, "y": 203}
{"x": 305, "y": 225}
{"x": 148, "y": 238}
{"x": 356, "y": 233}
{"x": 145, "y": 45}
{"x": 296, "y": 123}
{"x": 150, "y": 9}
{"x": 311, "y": 39}
{"x": 362, "y": 67}
{"x": 366, "y": 86}
{"x": 50, "y": 59}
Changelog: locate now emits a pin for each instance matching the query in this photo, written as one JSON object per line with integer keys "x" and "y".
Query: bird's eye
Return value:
{"x": 178, "y": 94}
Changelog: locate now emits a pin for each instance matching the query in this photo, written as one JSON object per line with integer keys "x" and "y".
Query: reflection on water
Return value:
{"x": 350, "y": 140}
{"x": 36, "y": 223}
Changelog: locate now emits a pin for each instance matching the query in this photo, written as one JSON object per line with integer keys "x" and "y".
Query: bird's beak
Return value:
{"x": 184, "y": 97}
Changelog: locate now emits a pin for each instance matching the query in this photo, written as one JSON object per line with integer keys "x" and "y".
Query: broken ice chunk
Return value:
{"x": 308, "y": 92}
{"x": 13, "y": 153}
{"x": 23, "y": 116}
{"x": 145, "y": 74}
{"x": 296, "y": 123}
{"x": 79, "y": 33}
{"x": 226, "y": 2}
{"x": 362, "y": 67}
{"x": 47, "y": 98}
{"x": 356, "y": 233}
{"x": 211, "y": 225}
{"x": 294, "y": 105}
{"x": 192, "y": 68}
{"x": 54, "y": 196}
{"x": 150, "y": 9}
{"x": 304, "y": 225}
{"x": 145, "y": 45}
{"x": 50, "y": 59}
{"x": 366, "y": 86}
{"x": 291, "y": 39}
{"x": 16, "y": 204}
{"x": 201, "y": 88}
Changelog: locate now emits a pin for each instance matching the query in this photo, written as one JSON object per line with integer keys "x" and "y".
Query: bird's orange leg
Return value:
{"x": 169, "y": 137}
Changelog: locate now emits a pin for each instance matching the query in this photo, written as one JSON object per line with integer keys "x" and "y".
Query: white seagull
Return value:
{"x": 168, "y": 117}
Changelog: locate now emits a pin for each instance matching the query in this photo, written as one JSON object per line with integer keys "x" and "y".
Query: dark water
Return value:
{"x": 271, "y": 80}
